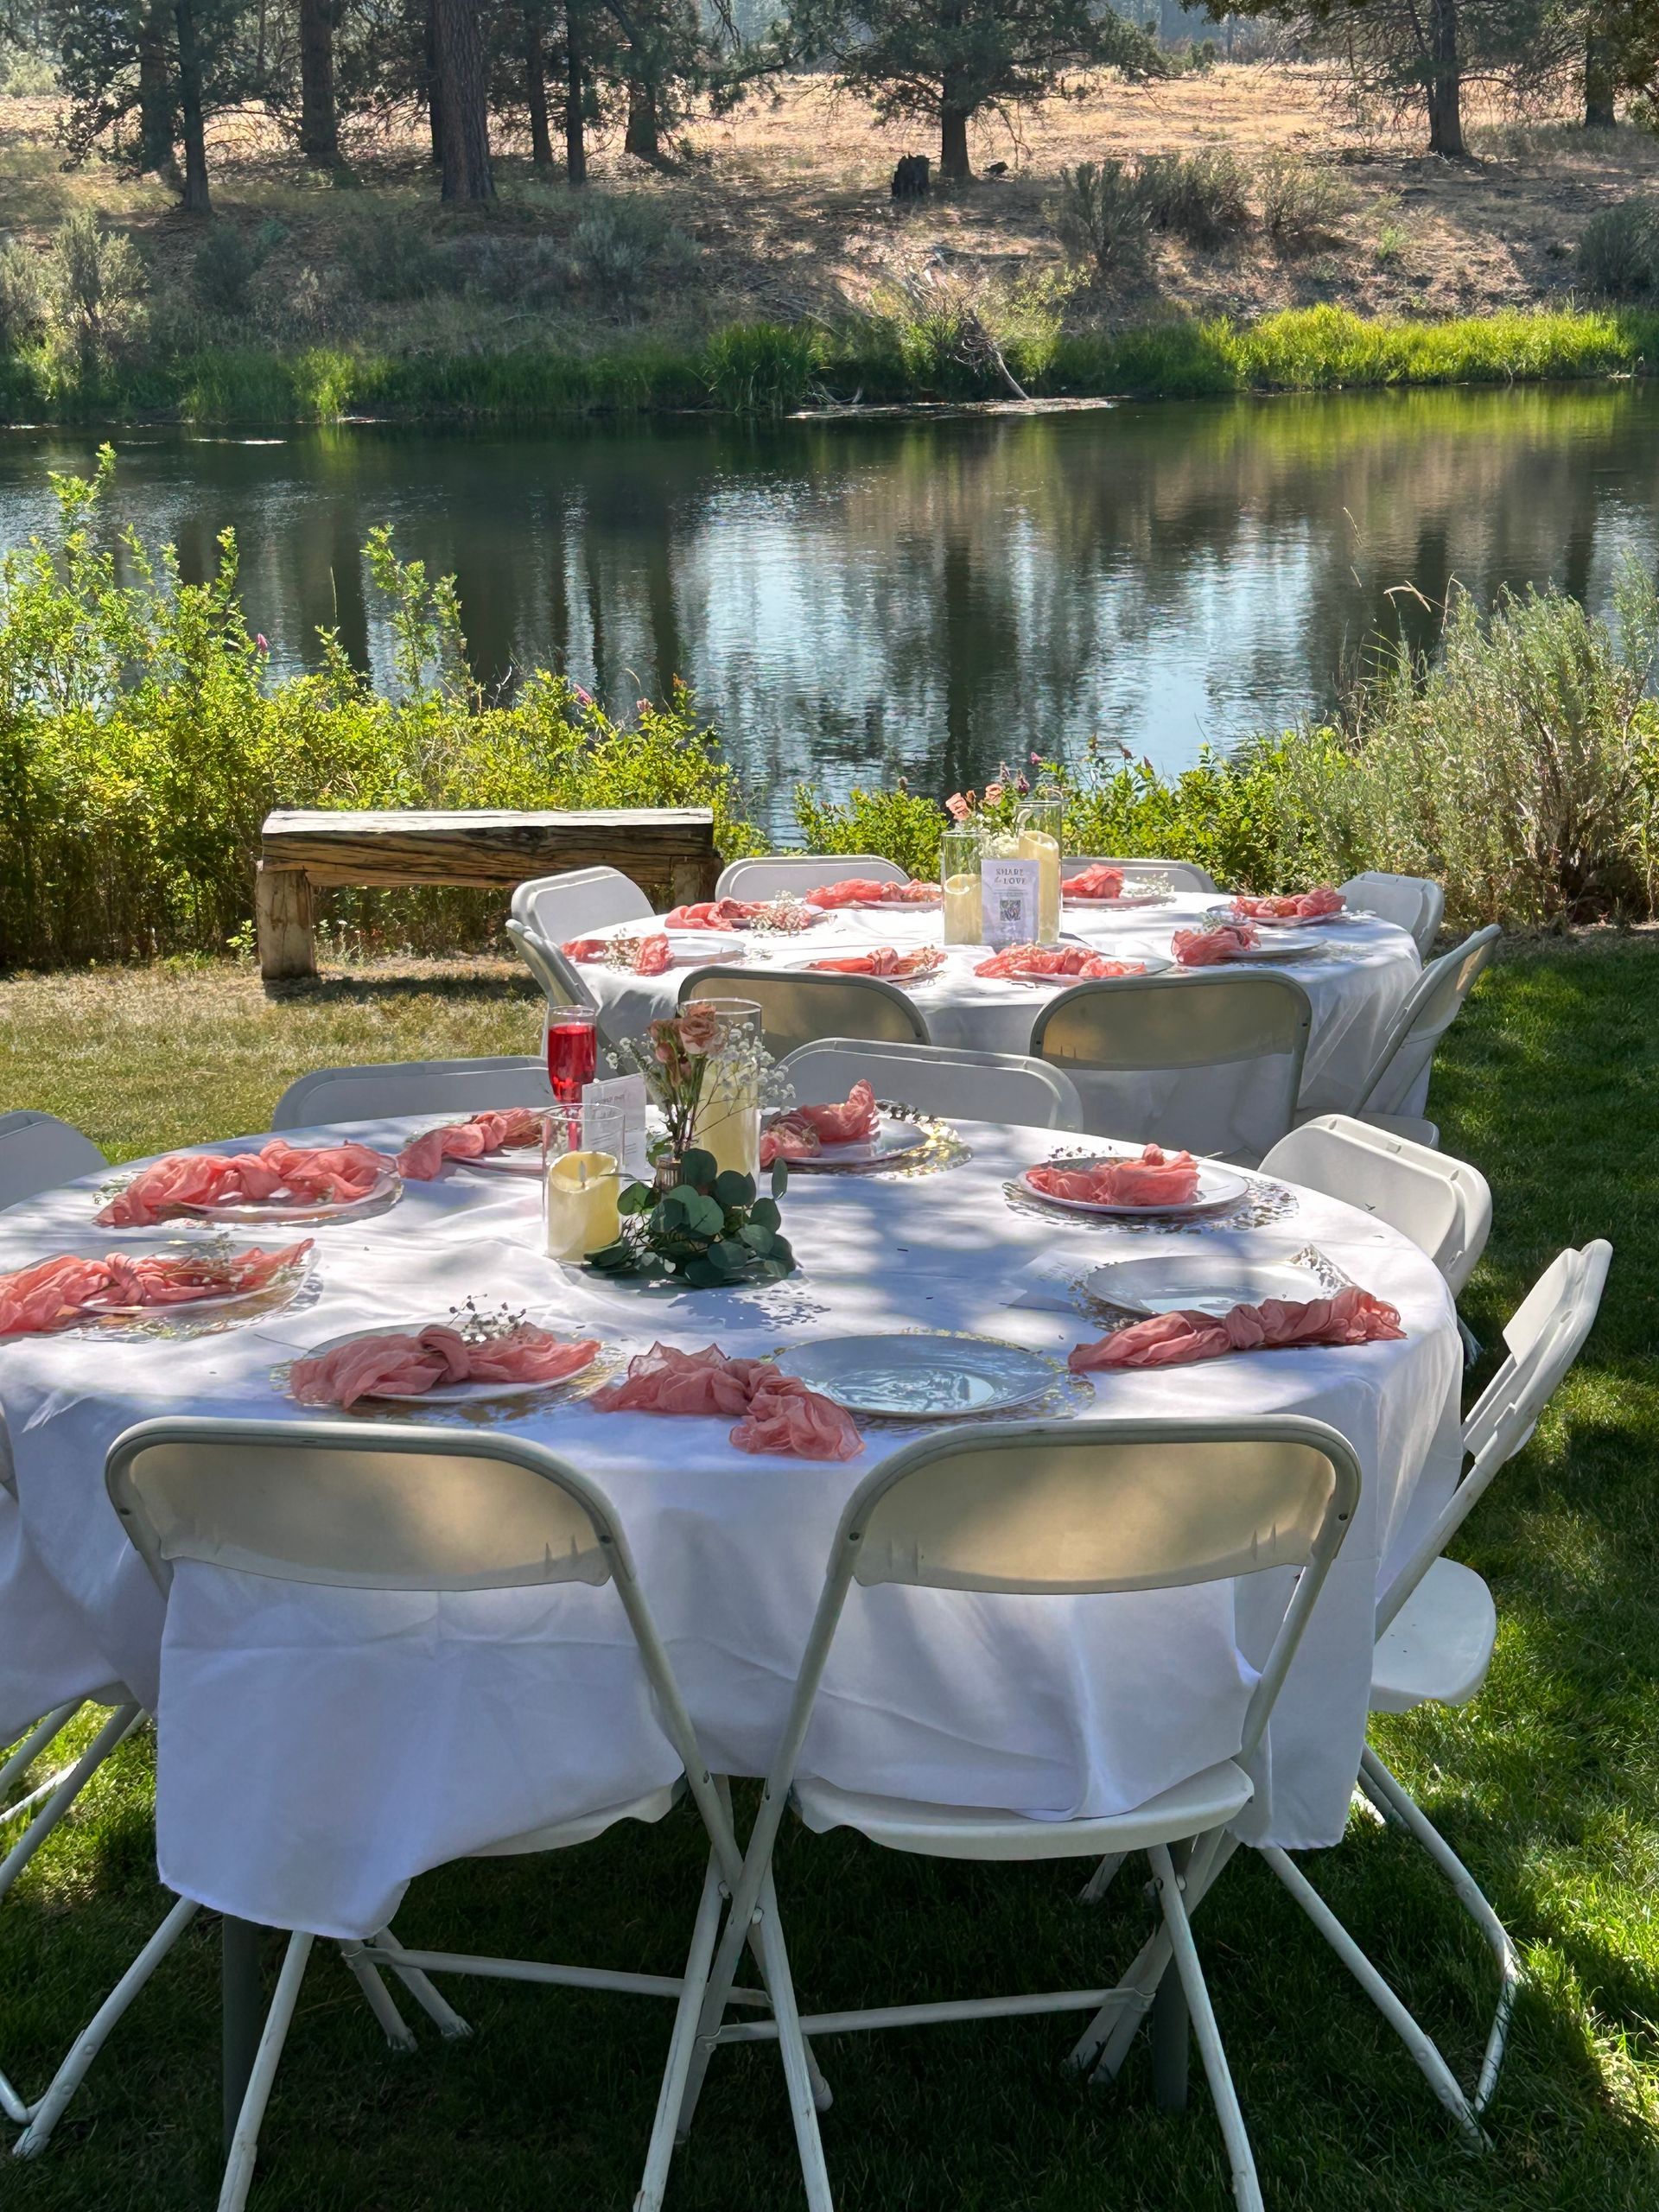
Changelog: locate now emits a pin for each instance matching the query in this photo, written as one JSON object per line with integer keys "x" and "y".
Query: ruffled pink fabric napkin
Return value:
{"x": 405, "y": 1364}
{"x": 53, "y": 1293}
{"x": 1097, "y": 882}
{"x": 515, "y": 1130}
{"x": 316, "y": 1176}
{"x": 1291, "y": 906}
{"x": 885, "y": 960}
{"x": 714, "y": 914}
{"x": 804, "y": 1130}
{"x": 1209, "y": 948}
{"x": 780, "y": 1414}
{"x": 1063, "y": 963}
{"x": 645, "y": 956}
{"x": 864, "y": 891}
{"x": 1348, "y": 1317}
{"x": 1156, "y": 1179}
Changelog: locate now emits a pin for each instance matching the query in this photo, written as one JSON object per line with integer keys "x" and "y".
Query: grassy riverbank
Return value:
{"x": 1546, "y": 1784}
{"x": 775, "y": 368}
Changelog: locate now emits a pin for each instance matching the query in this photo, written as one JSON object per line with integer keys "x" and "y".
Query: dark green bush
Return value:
{"x": 1619, "y": 252}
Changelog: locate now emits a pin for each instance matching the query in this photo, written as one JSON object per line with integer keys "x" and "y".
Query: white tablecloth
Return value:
{"x": 317, "y": 1748}
{"x": 1357, "y": 983}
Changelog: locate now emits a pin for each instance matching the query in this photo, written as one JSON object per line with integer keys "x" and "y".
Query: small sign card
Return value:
{"x": 1007, "y": 901}
{"x": 627, "y": 1092}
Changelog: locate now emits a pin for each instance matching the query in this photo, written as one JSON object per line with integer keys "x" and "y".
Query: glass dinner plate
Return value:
{"x": 1149, "y": 963}
{"x": 893, "y": 1139}
{"x": 1200, "y": 1283}
{"x": 888, "y": 906}
{"x": 1217, "y": 1187}
{"x": 442, "y": 1394}
{"x": 1127, "y": 899}
{"x": 1224, "y": 914}
{"x": 388, "y": 1189}
{"x": 922, "y": 1376}
{"x": 1286, "y": 948}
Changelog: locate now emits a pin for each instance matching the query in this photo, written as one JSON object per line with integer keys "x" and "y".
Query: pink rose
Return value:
{"x": 993, "y": 794}
{"x": 699, "y": 1027}
{"x": 957, "y": 807}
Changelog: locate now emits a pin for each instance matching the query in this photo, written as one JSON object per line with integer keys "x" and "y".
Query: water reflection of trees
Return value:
{"x": 932, "y": 596}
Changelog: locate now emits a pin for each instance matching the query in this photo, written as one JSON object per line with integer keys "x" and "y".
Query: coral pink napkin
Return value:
{"x": 308, "y": 1177}
{"x": 53, "y": 1293}
{"x": 864, "y": 891}
{"x": 1348, "y": 1317}
{"x": 405, "y": 1364}
{"x": 804, "y": 1130}
{"x": 516, "y": 1129}
{"x": 780, "y": 1414}
{"x": 1097, "y": 882}
{"x": 1156, "y": 1179}
{"x": 1209, "y": 948}
{"x": 645, "y": 956}
{"x": 713, "y": 914}
{"x": 1290, "y": 907}
{"x": 885, "y": 960}
{"x": 1065, "y": 962}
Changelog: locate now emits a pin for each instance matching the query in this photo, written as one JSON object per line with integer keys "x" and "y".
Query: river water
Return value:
{"x": 853, "y": 600}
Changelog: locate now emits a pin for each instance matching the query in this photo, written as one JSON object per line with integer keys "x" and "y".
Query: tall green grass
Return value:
{"x": 770, "y": 368}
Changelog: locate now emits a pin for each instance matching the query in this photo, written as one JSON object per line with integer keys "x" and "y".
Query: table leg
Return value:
{"x": 240, "y": 1942}
{"x": 1171, "y": 2027}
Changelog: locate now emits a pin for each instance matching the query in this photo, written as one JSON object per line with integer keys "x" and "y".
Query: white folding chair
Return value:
{"x": 1048, "y": 1509}
{"x": 1444, "y": 1205}
{"x": 1179, "y": 875}
{"x": 1415, "y": 903}
{"x": 383, "y": 1091}
{"x": 1436, "y": 1628}
{"x": 38, "y": 1152}
{"x": 578, "y": 902}
{"x": 797, "y": 1008}
{"x": 1134, "y": 1026}
{"x": 939, "y": 1079}
{"x": 772, "y": 874}
{"x": 1407, "y": 1052}
{"x": 404, "y": 1508}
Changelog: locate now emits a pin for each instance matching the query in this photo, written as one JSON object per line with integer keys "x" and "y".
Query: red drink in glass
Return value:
{"x": 572, "y": 1052}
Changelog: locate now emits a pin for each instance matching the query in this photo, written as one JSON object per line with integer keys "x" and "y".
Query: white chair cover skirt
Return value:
{"x": 318, "y": 1748}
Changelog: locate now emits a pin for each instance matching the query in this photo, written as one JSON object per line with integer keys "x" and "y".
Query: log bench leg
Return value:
{"x": 694, "y": 878}
{"x": 283, "y": 917}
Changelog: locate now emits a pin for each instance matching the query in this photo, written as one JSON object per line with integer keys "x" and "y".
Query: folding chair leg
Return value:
{"x": 792, "y": 2046}
{"x": 1398, "y": 1801}
{"x": 431, "y": 2000}
{"x": 682, "y": 2042}
{"x": 49, "y": 1726}
{"x": 377, "y": 1998}
{"x": 245, "y": 2142}
{"x": 1424, "y": 2051}
{"x": 1247, "y": 2190}
{"x": 1106, "y": 2042}
{"x": 120, "y": 1725}
{"x": 1101, "y": 1880}
{"x": 70, "y": 2075}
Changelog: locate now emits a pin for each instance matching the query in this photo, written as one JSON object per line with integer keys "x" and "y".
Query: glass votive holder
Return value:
{"x": 581, "y": 1179}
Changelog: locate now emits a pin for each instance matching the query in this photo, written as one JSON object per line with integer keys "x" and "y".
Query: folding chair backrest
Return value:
{"x": 1179, "y": 875}
{"x": 331, "y": 1504}
{"x": 1133, "y": 1024}
{"x": 1044, "y": 1509}
{"x": 574, "y": 903}
{"x": 38, "y": 1152}
{"x": 1434, "y": 1004}
{"x": 561, "y": 980}
{"x": 382, "y": 1093}
{"x": 1415, "y": 903}
{"x": 1544, "y": 1335}
{"x": 772, "y": 874}
{"x": 1441, "y": 1205}
{"x": 939, "y": 1079}
{"x": 799, "y": 1009}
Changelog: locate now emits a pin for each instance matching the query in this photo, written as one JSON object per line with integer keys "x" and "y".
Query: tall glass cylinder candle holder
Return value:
{"x": 959, "y": 852}
{"x": 581, "y": 1160}
{"x": 727, "y": 1122}
{"x": 1038, "y": 822}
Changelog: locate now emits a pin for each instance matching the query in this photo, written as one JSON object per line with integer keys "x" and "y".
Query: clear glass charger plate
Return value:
{"x": 925, "y": 1376}
{"x": 894, "y": 1141}
{"x": 1343, "y": 915}
{"x": 196, "y": 1316}
{"x": 1130, "y": 901}
{"x": 277, "y": 1212}
{"x": 1218, "y": 1187}
{"x": 1206, "y": 1283}
{"x": 447, "y": 1393}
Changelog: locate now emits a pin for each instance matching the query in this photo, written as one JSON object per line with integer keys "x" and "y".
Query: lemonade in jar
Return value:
{"x": 959, "y": 851}
{"x": 1038, "y": 825}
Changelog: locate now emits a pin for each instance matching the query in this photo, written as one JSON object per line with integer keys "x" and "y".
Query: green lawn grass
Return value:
{"x": 1548, "y": 1785}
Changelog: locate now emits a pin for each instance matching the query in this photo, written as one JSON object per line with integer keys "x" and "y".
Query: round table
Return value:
{"x": 1357, "y": 979}
{"x": 318, "y": 1748}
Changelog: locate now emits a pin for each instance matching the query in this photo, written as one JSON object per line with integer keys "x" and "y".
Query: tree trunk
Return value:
{"x": 541, "y": 138}
{"x": 156, "y": 109}
{"x": 1445, "y": 81}
{"x": 1598, "y": 84}
{"x": 319, "y": 120}
{"x": 197, "y": 201}
{"x": 462, "y": 102}
{"x": 575, "y": 149}
{"x": 434, "y": 89}
{"x": 643, "y": 138}
{"x": 953, "y": 140}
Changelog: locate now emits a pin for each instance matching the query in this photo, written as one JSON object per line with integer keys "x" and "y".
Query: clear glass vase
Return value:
{"x": 959, "y": 852}
{"x": 1038, "y": 823}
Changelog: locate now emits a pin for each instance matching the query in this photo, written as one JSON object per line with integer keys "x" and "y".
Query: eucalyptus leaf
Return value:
{"x": 699, "y": 1168}
{"x": 759, "y": 1239}
{"x": 733, "y": 1190}
{"x": 779, "y": 1178}
{"x": 705, "y": 1217}
{"x": 765, "y": 1214}
{"x": 636, "y": 1197}
{"x": 703, "y": 1275}
{"x": 674, "y": 1213}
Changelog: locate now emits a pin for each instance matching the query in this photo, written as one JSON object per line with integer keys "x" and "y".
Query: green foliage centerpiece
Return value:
{"x": 702, "y": 1220}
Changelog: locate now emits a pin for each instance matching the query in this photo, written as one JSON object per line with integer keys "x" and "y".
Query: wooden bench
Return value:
{"x": 668, "y": 851}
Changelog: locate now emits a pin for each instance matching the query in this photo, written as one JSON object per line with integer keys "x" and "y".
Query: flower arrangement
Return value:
{"x": 710, "y": 1229}
{"x": 690, "y": 1058}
